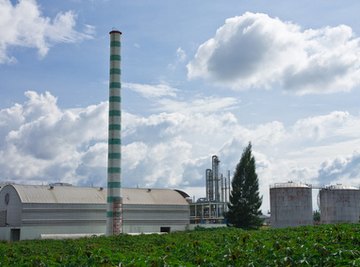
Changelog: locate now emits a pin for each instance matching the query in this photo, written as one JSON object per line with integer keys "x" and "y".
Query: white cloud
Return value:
{"x": 257, "y": 51}
{"x": 152, "y": 91}
{"x": 342, "y": 169}
{"x": 181, "y": 55}
{"x": 198, "y": 105}
{"x": 135, "y": 153}
{"x": 41, "y": 143}
{"x": 45, "y": 142}
{"x": 333, "y": 125}
{"x": 23, "y": 25}
{"x": 180, "y": 58}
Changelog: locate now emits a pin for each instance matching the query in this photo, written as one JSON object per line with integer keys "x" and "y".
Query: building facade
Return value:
{"x": 36, "y": 211}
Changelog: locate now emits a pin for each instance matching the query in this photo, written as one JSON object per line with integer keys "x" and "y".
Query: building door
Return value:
{"x": 3, "y": 218}
{"x": 165, "y": 229}
{"x": 14, "y": 234}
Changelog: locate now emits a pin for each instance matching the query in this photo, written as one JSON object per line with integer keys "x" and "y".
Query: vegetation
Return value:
{"x": 244, "y": 207}
{"x": 316, "y": 216}
{"x": 324, "y": 245}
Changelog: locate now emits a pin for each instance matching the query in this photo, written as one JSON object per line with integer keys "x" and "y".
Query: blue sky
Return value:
{"x": 199, "y": 78}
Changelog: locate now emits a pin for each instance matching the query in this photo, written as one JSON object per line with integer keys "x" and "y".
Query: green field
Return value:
{"x": 325, "y": 245}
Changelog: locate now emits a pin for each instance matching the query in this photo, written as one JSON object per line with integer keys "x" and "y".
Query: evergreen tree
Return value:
{"x": 244, "y": 207}
{"x": 316, "y": 216}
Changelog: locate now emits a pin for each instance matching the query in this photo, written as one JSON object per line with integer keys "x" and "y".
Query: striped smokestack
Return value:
{"x": 114, "y": 201}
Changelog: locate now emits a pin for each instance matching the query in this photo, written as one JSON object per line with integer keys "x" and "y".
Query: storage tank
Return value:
{"x": 290, "y": 205}
{"x": 339, "y": 203}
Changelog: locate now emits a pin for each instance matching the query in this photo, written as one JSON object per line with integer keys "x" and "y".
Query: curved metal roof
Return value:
{"x": 93, "y": 195}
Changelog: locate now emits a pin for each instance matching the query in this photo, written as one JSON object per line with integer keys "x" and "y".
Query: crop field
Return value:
{"x": 325, "y": 245}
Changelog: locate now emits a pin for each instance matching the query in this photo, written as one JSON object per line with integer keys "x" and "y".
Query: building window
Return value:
{"x": 7, "y": 198}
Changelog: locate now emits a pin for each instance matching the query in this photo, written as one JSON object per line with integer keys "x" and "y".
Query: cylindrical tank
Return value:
{"x": 290, "y": 205}
{"x": 339, "y": 203}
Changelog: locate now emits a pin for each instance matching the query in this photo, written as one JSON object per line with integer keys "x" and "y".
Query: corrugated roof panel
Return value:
{"x": 60, "y": 194}
{"x": 152, "y": 196}
{"x": 91, "y": 195}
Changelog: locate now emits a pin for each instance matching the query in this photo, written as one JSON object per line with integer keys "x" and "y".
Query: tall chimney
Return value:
{"x": 114, "y": 200}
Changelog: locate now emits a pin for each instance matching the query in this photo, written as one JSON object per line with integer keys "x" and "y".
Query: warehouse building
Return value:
{"x": 62, "y": 210}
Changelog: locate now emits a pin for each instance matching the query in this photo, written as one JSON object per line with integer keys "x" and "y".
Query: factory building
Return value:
{"x": 290, "y": 205}
{"x": 62, "y": 210}
{"x": 211, "y": 209}
{"x": 339, "y": 204}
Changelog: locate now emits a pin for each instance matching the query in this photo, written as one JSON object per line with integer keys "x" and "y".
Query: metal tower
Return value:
{"x": 114, "y": 200}
{"x": 215, "y": 172}
{"x": 209, "y": 185}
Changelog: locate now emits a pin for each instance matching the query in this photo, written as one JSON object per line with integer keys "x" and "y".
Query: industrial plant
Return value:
{"x": 211, "y": 209}
{"x": 61, "y": 210}
{"x": 64, "y": 211}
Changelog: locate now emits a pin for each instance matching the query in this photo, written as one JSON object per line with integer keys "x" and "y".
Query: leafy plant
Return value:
{"x": 323, "y": 245}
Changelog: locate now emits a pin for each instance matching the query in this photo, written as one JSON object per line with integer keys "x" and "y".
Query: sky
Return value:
{"x": 199, "y": 78}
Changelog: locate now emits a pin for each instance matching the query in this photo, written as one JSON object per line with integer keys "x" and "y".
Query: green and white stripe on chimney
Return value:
{"x": 114, "y": 200}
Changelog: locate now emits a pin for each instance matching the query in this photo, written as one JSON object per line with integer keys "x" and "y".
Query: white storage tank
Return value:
{"x": 290, "y": 204}
{"x": 339, "y": 203}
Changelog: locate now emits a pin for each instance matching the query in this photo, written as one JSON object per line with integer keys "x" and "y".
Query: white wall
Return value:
{"x": 34, "y": 232}
{"x": 5, "y": 233}
{"x": 13, "y": 207}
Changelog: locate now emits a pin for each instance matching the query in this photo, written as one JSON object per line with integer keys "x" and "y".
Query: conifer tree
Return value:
{"x": 244, "y": 207}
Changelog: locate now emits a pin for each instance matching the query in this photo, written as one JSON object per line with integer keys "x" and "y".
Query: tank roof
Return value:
{"x": 341, "y": 187}
{"x": 290, "y": 184}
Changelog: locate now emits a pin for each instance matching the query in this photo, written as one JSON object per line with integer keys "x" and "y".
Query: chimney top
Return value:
{"x": 115, "y": 31}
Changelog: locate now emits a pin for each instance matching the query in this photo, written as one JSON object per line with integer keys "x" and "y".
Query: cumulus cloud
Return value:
{"x": 342, "y": 169}
{"x": 44, "y": 142}
{"x": 24, "y": 25}
{"x": 335, "y": 125}
{"x": 257, "y": 51}
{"x": 41, "y": 143}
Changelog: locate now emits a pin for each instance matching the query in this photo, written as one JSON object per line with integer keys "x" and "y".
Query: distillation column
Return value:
{"x": 209, "y": 185}
{"x": 215, "y": 171}
{"x": 114, "y": 201}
